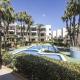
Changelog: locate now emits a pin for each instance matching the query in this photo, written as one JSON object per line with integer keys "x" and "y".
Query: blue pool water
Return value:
{"x": 47, "y": 47}
{"x": 34, "y": 50}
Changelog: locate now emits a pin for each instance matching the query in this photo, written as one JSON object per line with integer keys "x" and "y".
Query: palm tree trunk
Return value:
{"x": 0, "y": 52}
{"x": 21, "y": 33}
{"x": 70, "y": 32}
{"x": 39, "y": 33}
{"x": 67, "y": 27}
{"x": 29, "y": 33}
{"x": 6, "y": 36}
{"x": 0, "y": 45}
{"x": 78, "y": 29}
{"x": 7, "y": 28}
{"x": 74, "y": 41}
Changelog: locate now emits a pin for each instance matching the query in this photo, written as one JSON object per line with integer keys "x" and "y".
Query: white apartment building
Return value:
{"x": 40, "y": 33}
{"x": 60, "y": 33}
{"x": 54, "y": 34}
{"x": 64, "y": 32}
{"x": 36, "y": 33}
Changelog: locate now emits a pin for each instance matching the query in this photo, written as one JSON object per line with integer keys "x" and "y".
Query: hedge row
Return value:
{"x": 39, "y": 68}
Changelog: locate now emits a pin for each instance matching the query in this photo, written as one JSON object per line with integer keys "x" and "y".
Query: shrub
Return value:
{"x": 40, "y": 68}
{"x": 7, "y": 58}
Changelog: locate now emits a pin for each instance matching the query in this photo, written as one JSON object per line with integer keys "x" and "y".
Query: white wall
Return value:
{"x": 64, "y": 32}
{"x": 59, "y": 33}
{"x": 48, "y": 32}
{"x": 54, "y": 34}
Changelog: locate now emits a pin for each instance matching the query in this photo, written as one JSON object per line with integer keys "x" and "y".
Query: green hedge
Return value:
{"x": 7, "y": 58}
{"x": 39, "y": 68}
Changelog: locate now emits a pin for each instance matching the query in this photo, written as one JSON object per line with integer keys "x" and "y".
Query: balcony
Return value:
{"x": 33, "y": 30}
{"x": 11, "y": 30}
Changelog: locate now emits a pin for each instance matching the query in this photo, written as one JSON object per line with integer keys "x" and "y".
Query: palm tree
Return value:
{"x": 5, "y": 9}
{"x": 72, "y": 8}
{"x": 0, "y": 40}
{"x": 29, "y": 22}
{"x": 78, "y": 11}
{"x": 21, "y": 18}
{"x": 39, "y": 29}
{"x": 24, "y": 18}
{"x": 7, "y": 17}
{"x": 66, "y": 19}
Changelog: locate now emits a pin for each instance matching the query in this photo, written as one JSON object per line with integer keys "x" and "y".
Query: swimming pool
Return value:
{"x": 36, "y": 50}
{"x": 46, "y": 47}
{"x": 33, "y": 52}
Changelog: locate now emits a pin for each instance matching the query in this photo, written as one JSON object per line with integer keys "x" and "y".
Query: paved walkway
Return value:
{"x": 6, "y": 74}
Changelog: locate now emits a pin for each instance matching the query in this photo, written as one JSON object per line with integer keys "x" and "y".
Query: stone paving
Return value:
{"x": 6, "y": 74}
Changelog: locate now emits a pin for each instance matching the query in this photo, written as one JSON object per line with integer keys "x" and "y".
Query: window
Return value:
{"x": 25, "y": 33}
{"x": 50, "y": 29}
{"x": 18, "y": 33}
{"x": 33, "y": 29}
{"x": 11, "y": 32}
{"x": 42, "y": 39}
{"x": 49, "y": 33}
{"x": 33, "y": 40}
{"x": 43, "y": 29}
{"x": 28, "y": 33}
{"x": 33, "y": 34}
{"x": 42, "y": 34}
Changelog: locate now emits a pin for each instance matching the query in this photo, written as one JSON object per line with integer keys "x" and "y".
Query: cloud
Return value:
{"x": 44, "y": 15}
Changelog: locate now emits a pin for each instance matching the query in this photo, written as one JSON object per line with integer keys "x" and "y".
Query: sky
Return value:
{"x": 47, "y": 12}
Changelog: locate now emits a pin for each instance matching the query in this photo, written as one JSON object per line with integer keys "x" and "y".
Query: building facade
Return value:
{"x": 60, "y": 33}
{"x": 34, "y": 34}
{"x": 39, "y": 33}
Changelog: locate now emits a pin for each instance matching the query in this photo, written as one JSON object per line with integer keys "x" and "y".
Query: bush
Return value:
{"x": 40, "y": 68}
{"x": 7, "y": 58}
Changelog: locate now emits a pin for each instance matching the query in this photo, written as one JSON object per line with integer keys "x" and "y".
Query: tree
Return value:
{"x": 24, "y": 18}
{"x": 7, "y": 18}
{"x": 72, "y": 12}
{"x": 78, "y": 11}
{"x": 29, "y": 22}
{"x": 0, "y": 40}
{"x": 6, "y": 11}
{"x": 39, "y": 29}
{"x": 21, "y": 17}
